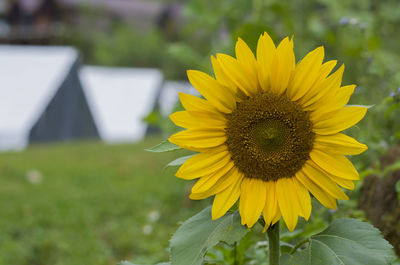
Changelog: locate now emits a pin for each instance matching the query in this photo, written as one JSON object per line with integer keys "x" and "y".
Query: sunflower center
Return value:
{"x": 269, "y": 137}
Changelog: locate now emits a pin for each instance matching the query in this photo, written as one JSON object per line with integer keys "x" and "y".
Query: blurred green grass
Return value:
{"x": 91, "y": 205}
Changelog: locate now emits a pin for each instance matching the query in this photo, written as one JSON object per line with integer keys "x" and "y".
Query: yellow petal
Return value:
{"x": 271, "y": 203}
{"x": 304, "y": 199}
{"x": 329, "y": 85}
{"x": 305, "y": 74}
{"x": 288, "y": 201}
{"x": 207, "y": 182}
{"x": 224, "y": 182}
{"x": 265, "y": 54}
{"x": 343, "y": 119}
{"x": 326, "y": 68}
{"x": 247, "y": 61}
{"x": 224, "y": 200}
{"x": 319, "y": 177}
{"x": 338, "y": 144}
{"x": 344, "y": 94}
{"x": 204, "y": 164}
{"x": 337, "y": 165}
{"x": 333, "y": 102}
{"x": 199, "y": 138}
{"x": 345, "y": 183}
{"x": 321, "y": 195}
{"x": 283, "y": 65}
{"x": 219, "y": 96}
{"x": 220, "y": 75}
{"x": 277, "y": 216}
{"x": 275, "y": 219}
{"x": 193, "y": 103}
{"x": 193, "y": 119}
{"x": 235, "y": 72}
{"x": 252, "y": 200}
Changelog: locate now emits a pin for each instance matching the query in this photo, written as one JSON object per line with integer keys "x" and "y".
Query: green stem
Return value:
{"x": 273, "y": 243}
{"x": 299, "y": 245}
{"x": 261, "y": 221}
{"x": 235, "y": 261}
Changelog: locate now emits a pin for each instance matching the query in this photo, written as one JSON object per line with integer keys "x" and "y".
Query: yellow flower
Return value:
{"x": 268, "y": 132}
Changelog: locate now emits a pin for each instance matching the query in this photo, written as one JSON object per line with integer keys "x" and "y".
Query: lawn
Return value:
{"x": 89, "y": 203}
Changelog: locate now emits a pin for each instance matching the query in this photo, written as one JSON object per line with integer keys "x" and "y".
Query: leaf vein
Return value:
{"x": 331, "y": 250}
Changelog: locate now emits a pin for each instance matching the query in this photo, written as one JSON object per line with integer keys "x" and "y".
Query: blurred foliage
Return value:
{"x": 398, "y": 189}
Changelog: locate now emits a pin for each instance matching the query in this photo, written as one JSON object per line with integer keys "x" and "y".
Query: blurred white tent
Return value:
{"x": 119, "y": 99}
{"x": 169, "y": 96}
{"x": 41, "y": 98}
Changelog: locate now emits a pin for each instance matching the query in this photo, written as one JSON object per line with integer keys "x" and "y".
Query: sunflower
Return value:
{"x": 267, "y": 133}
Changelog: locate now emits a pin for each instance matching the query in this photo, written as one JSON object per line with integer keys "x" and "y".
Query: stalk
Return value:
{"x": 273, "y": 243}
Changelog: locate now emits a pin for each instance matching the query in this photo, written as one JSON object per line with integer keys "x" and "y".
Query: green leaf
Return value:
{"x": 397, "y": 187}
{"x": 124, "y": 262}
{"x": 300, "y": 258}
{"x": 393, "y": 167}
{"x": 391, "y": 109}
{"x": 164, "y": 146}
{"x": 179, "y": 161}
{"x": 128, "y": 263}
{"x": 345, "y": 242}
{"x": 185, "y": 54}
{"x": 397, "y": 135}
{"x": 199, "y": 233}
{"x": 365, "y": 106}
{"x": 369, "y": 171}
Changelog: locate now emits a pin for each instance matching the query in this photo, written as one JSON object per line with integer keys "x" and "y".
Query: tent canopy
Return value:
{"x": 119, "y": 98}
{"x": 30, "y": 77}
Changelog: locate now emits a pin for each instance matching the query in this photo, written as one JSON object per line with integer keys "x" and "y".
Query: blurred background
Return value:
{"x": 87, "y": 85}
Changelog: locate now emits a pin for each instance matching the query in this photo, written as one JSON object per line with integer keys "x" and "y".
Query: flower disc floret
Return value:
{"x": 269, "y": 137}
